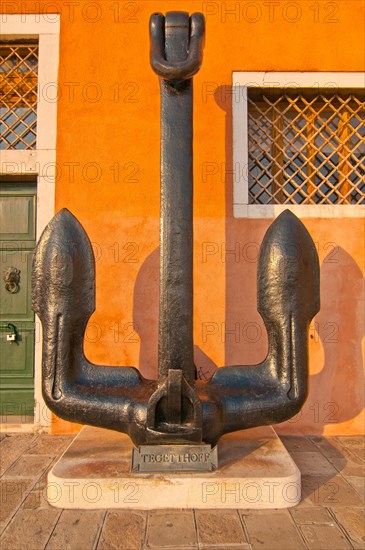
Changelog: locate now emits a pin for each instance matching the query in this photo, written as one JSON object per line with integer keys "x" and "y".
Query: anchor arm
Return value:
{"x": 64, "y": 299}
{"x": 288, "y": 299}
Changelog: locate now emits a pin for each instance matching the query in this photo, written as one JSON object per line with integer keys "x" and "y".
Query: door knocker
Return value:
{"x": 12, "y": 279}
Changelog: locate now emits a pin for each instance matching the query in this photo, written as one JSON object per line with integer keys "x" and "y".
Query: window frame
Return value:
{"x": 21, "y": 95}
{"x": 241, "y": 82}
{"x": 41, "y": 161}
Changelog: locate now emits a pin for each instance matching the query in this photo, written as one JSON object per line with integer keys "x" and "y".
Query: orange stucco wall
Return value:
{"x": 108, "y": 160}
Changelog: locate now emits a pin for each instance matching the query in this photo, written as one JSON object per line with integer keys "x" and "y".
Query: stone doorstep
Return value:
{"x": 255, "y": 472}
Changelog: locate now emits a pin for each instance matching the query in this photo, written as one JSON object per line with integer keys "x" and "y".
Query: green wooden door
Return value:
{"x": 17, "y": 242}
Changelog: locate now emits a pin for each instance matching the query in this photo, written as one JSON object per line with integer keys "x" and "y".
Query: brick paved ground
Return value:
{"x": 330, "y": 516}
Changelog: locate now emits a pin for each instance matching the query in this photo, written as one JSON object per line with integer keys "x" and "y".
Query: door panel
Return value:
{"x": 17, "y": 216}
{"x": 17, "y": 242}
{"x": 17, "y": 305}
{"x": 17, "y": 368}
{"x": 18, "y": 402}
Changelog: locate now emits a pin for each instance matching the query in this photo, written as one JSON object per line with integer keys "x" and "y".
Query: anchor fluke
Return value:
{"x": 288, "y": 299}
{"x": 63, "y": 295}
{"x": 288, "y": 271}
{"x": 64, "y": 269}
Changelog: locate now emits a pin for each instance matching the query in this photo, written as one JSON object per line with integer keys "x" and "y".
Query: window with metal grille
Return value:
{"x": 18, "y": 95}
{"x": 306, "y": 146}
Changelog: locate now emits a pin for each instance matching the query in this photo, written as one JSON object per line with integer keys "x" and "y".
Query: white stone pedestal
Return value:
{"x": 255, "y": 471}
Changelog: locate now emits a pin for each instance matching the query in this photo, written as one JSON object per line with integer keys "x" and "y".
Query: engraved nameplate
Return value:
{"x": 174, "y": 458}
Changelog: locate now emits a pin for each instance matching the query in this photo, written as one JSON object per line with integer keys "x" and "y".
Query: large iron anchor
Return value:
{"x": 176, "y": 408}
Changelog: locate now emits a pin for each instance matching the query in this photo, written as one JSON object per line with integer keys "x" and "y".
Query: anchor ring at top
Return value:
{"x": 176, "y": 70}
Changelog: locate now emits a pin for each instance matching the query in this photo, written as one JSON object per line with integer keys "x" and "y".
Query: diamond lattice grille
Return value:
{"x": 306, "y": 147}
{"x": 18, "y": 95}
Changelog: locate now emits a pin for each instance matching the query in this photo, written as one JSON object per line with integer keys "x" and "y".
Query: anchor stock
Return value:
{"x": 177, "y": 408}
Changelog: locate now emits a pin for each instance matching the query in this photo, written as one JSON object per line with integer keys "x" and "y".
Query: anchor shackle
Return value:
{"x": 170, "y": 36}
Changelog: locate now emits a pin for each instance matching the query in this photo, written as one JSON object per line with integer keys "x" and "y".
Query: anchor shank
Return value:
{"x": 175, "y": 347}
